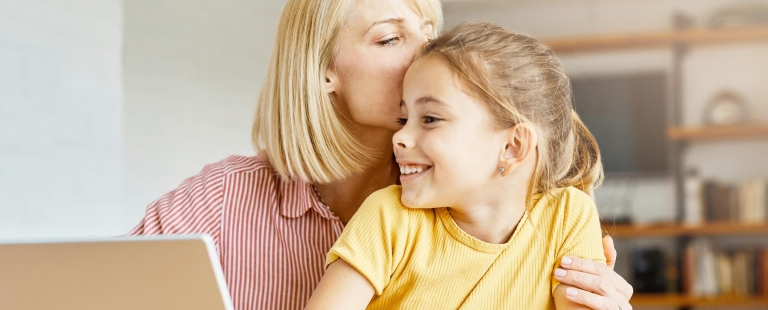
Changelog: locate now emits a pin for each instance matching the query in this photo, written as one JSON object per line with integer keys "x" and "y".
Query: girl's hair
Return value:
{"x": 521, "y": 80}
{"x": 297, "y": 127}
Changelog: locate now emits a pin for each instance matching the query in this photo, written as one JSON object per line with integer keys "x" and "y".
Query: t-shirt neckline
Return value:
{"x": 472, "y": 242}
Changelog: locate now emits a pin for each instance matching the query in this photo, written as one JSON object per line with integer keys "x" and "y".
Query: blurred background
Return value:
{"x": 106, "y": 105}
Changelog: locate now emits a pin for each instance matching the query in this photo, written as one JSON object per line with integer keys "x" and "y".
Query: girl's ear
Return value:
{"x": 331, "y": 80}
{"x": 521, "y": 145}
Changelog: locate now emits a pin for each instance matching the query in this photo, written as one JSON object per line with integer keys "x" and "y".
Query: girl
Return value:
{"x": 323, "y": 133}
{"x": 496, "y": 171}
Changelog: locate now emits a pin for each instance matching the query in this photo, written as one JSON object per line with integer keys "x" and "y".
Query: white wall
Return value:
{"x": 193, "y": 70}
{"x": 60, "y": 118}
{"x": 707, "y": 70}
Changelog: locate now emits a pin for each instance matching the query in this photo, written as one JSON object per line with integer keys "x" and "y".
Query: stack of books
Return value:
{"x": 715, "y": 201}
{"x": 708, "y": 272}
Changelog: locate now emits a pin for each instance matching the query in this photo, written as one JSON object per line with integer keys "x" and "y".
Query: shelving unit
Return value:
{"x": 681, "y": 301}
{"x": 680, "y": 136}
{"x": 677, "y": 230}
{"x": 656, "y": 39}
{"x": 693, "y": 134}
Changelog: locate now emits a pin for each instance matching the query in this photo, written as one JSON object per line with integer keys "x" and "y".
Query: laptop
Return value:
{"x": 161, "y": 272}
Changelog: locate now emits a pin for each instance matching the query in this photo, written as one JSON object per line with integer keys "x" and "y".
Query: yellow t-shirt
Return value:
{"x": 421, "y": 259}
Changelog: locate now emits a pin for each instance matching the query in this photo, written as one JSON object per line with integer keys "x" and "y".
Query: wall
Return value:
{"x": 60, "y": 118}
{"x": 193, "y": 70}
{"x": 707, "y": 70}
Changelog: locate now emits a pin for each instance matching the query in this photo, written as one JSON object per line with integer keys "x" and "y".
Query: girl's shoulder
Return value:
{"x": 386, "y": 203}
{"x": 564, "y": 196}
{"x": 563, "y": 205}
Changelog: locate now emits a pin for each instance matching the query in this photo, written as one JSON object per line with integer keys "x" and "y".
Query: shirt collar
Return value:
{"x": 298, "y": 197}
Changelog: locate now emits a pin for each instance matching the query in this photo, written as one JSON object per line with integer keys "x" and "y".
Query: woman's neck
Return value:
{"x": 345, "y": 196}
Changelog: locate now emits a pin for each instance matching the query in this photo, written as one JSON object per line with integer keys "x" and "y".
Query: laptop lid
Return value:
{"x": 159, "y": 272}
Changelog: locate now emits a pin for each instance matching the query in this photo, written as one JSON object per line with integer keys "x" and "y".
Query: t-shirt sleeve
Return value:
{"x": 375, "y": 239}
{"x": 581, "y": 234}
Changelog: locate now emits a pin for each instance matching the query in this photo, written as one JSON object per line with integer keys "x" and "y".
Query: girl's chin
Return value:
{"x": 413, "y": 201}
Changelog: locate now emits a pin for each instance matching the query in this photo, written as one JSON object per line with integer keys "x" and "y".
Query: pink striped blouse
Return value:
{"x": 272, "y": 235}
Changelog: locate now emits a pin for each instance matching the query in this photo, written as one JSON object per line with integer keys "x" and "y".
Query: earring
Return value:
{"x": 501, "y": 171}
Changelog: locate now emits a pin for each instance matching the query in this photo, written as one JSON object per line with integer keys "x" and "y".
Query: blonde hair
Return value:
{"x": 522, "y": 81}
{"x": 297, "y": 128}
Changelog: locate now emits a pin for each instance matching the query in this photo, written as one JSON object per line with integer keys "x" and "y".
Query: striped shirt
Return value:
{"x": 272, "y": 235}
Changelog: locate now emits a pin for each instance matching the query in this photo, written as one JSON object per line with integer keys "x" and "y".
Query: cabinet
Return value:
{"x": 679, "y": 138}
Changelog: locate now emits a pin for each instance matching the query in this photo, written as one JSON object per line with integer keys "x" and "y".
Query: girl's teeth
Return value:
{"x": 410, "y": 169}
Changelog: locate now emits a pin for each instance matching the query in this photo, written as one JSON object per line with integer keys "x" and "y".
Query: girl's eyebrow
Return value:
{"x": 427, "y": 100}
{"x": 430, "y": 100}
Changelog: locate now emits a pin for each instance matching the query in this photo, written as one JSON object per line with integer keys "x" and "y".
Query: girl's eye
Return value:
{"x": 430, "y": 119}
{"x": 390, "y": 41}
{"x": 402, "y": 121}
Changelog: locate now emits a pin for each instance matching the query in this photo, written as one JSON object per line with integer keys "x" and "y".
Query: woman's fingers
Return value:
{"x": 593, "y": 276}
{"x": 586, "y": 281}
{"x": 595, "y": 301}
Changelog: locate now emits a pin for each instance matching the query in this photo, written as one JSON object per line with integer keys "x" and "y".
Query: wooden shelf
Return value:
{"x": 717, "y": 133}
{"x": 677, "y": 300}
{"x": 676, "y": 230}
{"x": 656, "y": 39}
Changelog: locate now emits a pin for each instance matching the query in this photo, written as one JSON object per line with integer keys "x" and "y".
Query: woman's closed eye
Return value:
{"x": 389, "y": 41}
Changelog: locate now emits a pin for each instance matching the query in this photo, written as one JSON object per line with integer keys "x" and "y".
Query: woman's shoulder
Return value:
{"x": 179, "y": 210}
{"x": 238, "y": 164}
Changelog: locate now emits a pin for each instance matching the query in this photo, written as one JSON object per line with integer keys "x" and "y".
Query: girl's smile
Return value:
{"x": 410, "y": 171}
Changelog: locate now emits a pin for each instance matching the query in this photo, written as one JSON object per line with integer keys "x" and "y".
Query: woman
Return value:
{"x": 323, "y": 132}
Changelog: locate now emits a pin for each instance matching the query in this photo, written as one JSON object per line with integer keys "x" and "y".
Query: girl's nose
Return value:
{"x": 402, "y": 139}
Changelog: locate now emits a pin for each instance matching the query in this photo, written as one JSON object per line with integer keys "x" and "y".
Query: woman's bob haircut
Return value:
{"x": 297, "y": 128}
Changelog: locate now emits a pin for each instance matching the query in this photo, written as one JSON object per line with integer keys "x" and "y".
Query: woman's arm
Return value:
{"x": 595, "y": 285}
{"x": 342, "y": 287}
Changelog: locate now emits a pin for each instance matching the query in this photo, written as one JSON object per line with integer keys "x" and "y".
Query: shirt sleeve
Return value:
{"x": 375, "y": 239}
{"x": 195, "y": 207}
{"x": 581, "y": 235}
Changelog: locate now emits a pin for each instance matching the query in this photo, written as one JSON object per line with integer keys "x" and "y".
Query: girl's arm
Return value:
{"x": 562, "y": 302}
{"x": 342, "y": 287}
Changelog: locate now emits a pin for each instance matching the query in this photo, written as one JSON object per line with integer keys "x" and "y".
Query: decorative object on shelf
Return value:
{"x": 726, "y": 109}
{"x": 740, "y": 15}
{"x": 682, "y": 21}
{"x": 693, "y": 213}
{"x": 649, "y": 271}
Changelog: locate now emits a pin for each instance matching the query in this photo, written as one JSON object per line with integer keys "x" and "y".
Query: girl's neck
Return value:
{"x": 491, "y": 224}
{"x": 345, "y": 196}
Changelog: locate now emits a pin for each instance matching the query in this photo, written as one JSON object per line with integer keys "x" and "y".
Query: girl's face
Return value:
{"x": 374, "y": 51}
{"x": 448, "y": 150}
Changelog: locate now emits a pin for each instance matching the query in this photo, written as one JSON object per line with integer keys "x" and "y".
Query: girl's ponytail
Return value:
{"x": 586, "y": 170}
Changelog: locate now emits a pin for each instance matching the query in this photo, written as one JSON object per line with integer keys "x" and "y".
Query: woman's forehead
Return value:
{"x": 370, "y": 13}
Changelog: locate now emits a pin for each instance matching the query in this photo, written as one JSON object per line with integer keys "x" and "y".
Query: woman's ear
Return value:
{"x": 521, "y": 142}
{"x": 331, "y": 80}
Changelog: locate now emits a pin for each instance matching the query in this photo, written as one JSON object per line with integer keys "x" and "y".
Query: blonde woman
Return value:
{"x": 323, "y": 133}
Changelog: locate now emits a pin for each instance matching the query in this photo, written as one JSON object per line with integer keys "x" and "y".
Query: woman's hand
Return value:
{"x": 597, "y": 286}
